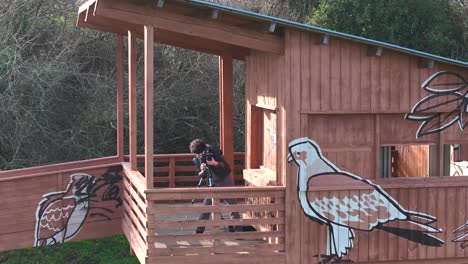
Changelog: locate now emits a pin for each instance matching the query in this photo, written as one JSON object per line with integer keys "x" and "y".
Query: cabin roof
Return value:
{"x": 218, "y": 23}
{"x": 291, "y": 24}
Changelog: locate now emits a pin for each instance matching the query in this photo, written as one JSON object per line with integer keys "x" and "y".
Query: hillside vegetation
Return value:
{"x": 57, "y": 82}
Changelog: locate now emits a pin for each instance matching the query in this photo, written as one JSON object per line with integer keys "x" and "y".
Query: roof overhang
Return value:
{"x": 184, "y": 25}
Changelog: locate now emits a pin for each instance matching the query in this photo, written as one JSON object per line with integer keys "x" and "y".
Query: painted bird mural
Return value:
{"x": 345, "y": 212}
{"x": 60, "y": 215}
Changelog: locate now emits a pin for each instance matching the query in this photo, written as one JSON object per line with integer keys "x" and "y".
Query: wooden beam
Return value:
{"x": 164, "y": 36}
{"x": 120, "y": 116}
{"x": 132, "y": 99}
{"x": 149, "y": 60}
{"x": 190, "y": 26}
{"x": 226, "y": 105}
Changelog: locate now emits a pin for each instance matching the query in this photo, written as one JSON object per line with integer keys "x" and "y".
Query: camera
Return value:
{"x": 209, "y": 156}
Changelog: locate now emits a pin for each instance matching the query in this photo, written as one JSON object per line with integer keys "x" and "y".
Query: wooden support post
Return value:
{"x": 226, "y": 106}
{"x": 120, "y": 118}
{"x": 149, "y": 59}
{"x": 132, "y": 100}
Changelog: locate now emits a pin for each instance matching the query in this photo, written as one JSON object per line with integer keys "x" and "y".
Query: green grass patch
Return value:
{"x": 104, "y": 250}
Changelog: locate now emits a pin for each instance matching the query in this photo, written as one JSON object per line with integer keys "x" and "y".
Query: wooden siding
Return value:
{"x": 450, "y": 209}
{"x": 340, "y": 77}
{"x": 263, "y": 85}
{"x": 22, "y": 190}
{"x": 351, "y": 104}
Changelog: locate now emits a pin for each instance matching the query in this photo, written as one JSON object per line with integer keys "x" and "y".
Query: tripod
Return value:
{"x": 209, "y": 180}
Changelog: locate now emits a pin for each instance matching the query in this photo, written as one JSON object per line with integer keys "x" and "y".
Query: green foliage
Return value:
{"x": 104, "y": 250}
{"x": 426, "y": 25}
{"x": 56, "y": 86}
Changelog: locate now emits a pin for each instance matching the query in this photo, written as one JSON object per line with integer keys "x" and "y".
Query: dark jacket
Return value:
{"x": 218, "y": 172}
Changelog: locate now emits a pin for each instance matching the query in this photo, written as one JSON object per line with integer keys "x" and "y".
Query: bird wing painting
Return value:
{"x": 344, "y": 212}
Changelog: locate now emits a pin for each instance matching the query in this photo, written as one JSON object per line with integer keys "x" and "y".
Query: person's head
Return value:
{"x": 197, "y": 146}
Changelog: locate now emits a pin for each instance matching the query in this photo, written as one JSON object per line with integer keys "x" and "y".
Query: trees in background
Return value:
{"x": 434, "y": 26}
{"x": 56, "y": 86}
{"x": 57, "y": 82}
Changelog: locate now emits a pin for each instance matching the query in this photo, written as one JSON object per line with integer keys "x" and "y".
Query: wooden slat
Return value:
{"x": 335, "y": 72}
{"x": 130, "y": 216}
{"x": 305, "y": 74}
{"x": 292, "y": 130}
{"x": 346, "y": 90}
{"x": 136, "y": 243}
{"x": 207, "y": 223}
{"x": 365, "y": 79}
{"x": 271, "y": 258}
{"x": 132, "y": 212}
{"x": 135, "y": 178}
{"x": 224, "y": 235}
{"x": 67, "y": 167}
{"x": 142, "y": 217}
{"x": 223, "y": 208}
{"x": 172, "y": 172}
{"x": 250, "y": 248}
{"x": 134, "y": 195}
{"x": 413, "y": 201}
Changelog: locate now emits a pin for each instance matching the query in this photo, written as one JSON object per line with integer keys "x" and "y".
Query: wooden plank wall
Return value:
{"x": 21, "y": 191}
{"x": 351, "y": 104}
{"x": 378, "y": 245}
{"x": 341, "y": 78}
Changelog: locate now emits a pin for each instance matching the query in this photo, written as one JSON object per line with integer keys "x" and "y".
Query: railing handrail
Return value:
{"x": 59, "y": 168}
{"x": 217, "y": 189}
{"x": 176, "y": 156}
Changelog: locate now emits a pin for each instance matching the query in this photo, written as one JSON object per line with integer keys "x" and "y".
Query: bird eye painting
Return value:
{"x": 345, "y": 213}
{"x": 61, "y": 215}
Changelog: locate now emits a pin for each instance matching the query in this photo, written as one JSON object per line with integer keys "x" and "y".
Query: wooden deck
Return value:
{"x": 160, "y": 222}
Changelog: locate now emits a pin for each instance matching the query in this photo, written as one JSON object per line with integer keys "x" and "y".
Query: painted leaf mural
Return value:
{"x": 446, "y": 105}
{"x": 344, "y": 212}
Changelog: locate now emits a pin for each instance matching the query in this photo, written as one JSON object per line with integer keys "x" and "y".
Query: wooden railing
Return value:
{"x": 22, "y": 191}
{"x": 134, "y": 215}
{"x": 171, "y": 227}
{"x": 177, "y": 170}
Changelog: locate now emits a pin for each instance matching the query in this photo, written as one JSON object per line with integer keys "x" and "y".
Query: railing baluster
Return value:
{"x": 172, "y": 172}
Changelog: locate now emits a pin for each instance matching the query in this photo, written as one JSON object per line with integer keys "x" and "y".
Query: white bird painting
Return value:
{"x": 344, "y": 211}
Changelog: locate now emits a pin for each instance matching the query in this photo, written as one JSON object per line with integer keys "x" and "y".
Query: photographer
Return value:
{"x": 210, "y": 165}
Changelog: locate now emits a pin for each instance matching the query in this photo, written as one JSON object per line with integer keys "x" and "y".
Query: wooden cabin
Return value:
{"x": 373, "y": 133}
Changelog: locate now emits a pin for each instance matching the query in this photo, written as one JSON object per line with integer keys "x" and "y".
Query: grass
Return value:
{"x": 103, "y": 250}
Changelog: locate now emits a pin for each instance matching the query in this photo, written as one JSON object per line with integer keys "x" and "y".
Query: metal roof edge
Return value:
{"x": 298, "y": 25}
